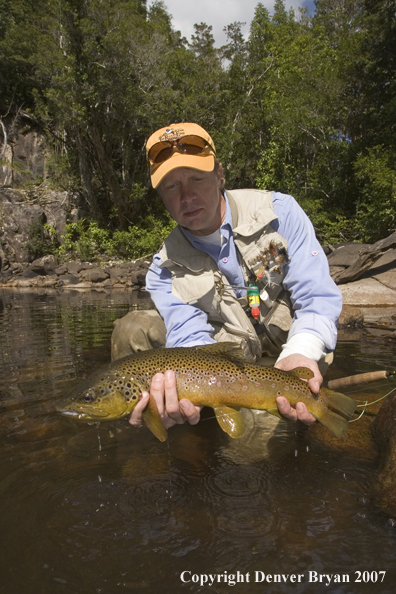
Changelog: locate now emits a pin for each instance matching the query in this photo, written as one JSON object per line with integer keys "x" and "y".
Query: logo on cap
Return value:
{"x": 171, "y": 134}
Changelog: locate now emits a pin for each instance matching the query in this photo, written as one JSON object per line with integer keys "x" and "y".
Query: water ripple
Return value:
{"x": 236, "y": 482}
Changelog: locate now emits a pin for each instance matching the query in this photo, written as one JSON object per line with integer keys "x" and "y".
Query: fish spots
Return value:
{"x": 201, "y": 376}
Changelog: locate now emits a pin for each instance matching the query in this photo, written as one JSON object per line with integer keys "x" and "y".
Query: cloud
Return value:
{"x": 218, "y": 14}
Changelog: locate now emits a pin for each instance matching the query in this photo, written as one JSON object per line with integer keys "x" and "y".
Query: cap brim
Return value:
{"x": 202, "y": 162}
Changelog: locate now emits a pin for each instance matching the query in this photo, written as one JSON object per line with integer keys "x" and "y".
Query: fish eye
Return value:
{"x": 87, "y": 398}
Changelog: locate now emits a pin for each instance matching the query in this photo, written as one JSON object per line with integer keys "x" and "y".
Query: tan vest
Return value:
{"x": 196, "y": 279}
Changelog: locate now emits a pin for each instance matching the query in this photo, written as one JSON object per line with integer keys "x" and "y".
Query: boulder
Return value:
{"x": 29, "y": 273}
{"x": 367, "y": 258}
{"x": 351, "y": 317}
{"x": 117, "y": 272}
{"x": 74, "y": 267}
{"x": 384, "y": 270}
{"x": 367, "y": 292}
{"x": 95, "y": 275}
{"x": 19, "y": 211}
{"x": 45, "y": 265}
{"x": 61, "y": 270}
{"x": 346, "y": 254}
{"x": 137, "y": 331}
{"x": 138, "y": 277}
{"x": 69, "y": 279}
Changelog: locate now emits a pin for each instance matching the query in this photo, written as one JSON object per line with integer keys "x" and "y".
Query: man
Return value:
{"x": 226, "y": 243}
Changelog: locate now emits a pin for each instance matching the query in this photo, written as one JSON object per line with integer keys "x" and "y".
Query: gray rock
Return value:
{"x": 29, "y": 273}
{"x": 367, "y": 292}
{"x": 19, "y": 211}
{"x": 351, "y": 317}
{"x": 137, "y": 331}
{"x": 95, "y": 275}
{"x": 384, "y": 270}
{"x": 138, "y": 277}
{"x": 117, "y": 272}
{"x": 69, "y": 279}
{"x": 345, "y": 255}
{"x": 74, "y": 267}
{"x": 45, "y": 265}
{"x": 61, "y": 270}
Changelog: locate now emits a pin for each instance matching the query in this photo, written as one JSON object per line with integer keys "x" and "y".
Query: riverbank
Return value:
{"x": 369, "y": 300}
{"x": 47, "y": 272}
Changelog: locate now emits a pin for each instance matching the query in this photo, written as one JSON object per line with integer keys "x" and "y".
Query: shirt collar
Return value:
{"x": 225, "y": 229}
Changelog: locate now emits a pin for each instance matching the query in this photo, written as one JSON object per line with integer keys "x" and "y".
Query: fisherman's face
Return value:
{"x": 194, "y": 199}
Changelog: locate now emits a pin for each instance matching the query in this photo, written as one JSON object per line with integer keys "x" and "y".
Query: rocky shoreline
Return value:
{"x": 368, "y": 301}
{"x": 366, "y": 274}
{"x": 47, "y": 272}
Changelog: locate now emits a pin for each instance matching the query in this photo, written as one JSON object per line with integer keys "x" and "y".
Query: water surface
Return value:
{"x": 107, "y": 509}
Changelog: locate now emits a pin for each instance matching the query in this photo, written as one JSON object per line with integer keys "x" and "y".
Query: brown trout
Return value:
{"x": 211, "y": 375}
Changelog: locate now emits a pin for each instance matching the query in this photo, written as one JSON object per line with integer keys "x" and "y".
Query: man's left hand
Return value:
{"x": 300, "y": 412}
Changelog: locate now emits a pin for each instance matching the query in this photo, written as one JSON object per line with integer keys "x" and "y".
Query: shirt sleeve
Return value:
{"x": 316, "y": 299}
{"x": 186, "y": 325}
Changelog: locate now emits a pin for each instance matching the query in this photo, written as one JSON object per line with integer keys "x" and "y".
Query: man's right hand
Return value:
{"x": 171, "y": 410}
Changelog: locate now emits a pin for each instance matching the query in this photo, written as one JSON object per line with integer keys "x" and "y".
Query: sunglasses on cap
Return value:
{"x": 188, "y": 145}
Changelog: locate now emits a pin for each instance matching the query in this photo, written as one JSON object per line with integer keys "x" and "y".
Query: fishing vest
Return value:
{"x": 196, "y": 279}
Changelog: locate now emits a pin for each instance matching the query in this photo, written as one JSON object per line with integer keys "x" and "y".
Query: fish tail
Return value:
{"x": 340, "y": 403}
{"x": 340, "y": 409}
{"x": 334, "y": 422}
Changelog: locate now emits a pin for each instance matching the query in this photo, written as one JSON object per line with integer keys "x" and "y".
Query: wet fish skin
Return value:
{"x": 210, "y": 375}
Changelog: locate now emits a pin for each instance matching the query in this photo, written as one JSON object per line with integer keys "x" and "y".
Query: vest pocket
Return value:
{"x": 198, "y": 290}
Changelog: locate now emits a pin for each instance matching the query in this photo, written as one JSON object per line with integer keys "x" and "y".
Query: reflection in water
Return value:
{"x": 107, "y": 508}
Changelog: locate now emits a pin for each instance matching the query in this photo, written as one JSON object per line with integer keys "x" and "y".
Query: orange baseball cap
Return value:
{"x": 179, "y": 145}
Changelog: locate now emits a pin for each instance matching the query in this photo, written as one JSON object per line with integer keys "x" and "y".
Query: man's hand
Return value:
{"x": 171, "y": 410}
{"x": 300, "y": 412}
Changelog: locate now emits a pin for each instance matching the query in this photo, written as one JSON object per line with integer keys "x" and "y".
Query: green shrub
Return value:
{"x": 140, "y": 241}
{"x": 84, "y": 240}
{"x": 42, "y": 238}
{"x": 87, "y": 241}
{"x": 376, "y": 210}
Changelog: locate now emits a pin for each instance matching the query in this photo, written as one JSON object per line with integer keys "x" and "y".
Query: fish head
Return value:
{"x": 106, "y": 399}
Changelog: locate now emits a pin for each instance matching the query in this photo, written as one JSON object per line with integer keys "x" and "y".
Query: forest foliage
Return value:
{"x": 305, "y": 105}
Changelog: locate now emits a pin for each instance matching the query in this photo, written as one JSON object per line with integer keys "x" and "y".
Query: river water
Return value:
{"x": 107, "y": 509}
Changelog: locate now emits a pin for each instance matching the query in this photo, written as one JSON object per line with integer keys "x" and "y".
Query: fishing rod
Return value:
{"x": 360, "y": 378}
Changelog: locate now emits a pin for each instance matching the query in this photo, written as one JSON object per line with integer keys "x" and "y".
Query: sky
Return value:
{"x": 219, "y": 13}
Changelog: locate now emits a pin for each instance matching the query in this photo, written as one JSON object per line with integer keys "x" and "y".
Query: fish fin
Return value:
{"x": 340, "y": 403}
{"x": 275, "y": 412}
{"x": 153, "y": 421}
{"x": 230, "y": 420}
{"x": 303, "y": 372}
{"x": 228, "y": 350}
{"x": 334, "y": 422}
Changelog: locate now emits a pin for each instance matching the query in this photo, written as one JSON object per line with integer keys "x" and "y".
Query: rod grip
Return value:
{"x": 355, "y": 380}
